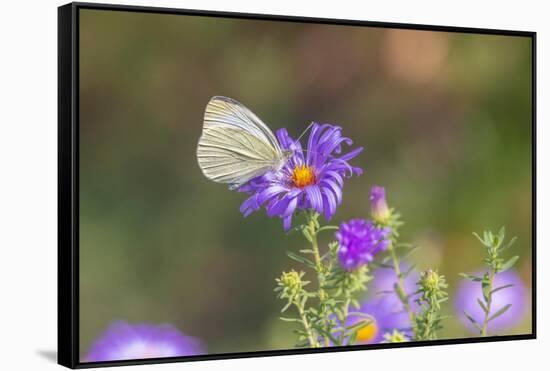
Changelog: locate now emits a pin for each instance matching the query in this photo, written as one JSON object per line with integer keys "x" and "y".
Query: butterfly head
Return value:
{"x": 287, "y": 154}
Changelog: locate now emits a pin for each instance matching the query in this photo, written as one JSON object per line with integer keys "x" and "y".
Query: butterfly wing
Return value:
{"x": 235, "y": 145}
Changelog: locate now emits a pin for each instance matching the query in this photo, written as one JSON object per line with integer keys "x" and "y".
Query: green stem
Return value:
{"x": 427, "y": 333}
{"x": 343, "y": 320}
{"x": 312, "y": 226}
{"x": 487, "y": 314}
{"x": 311, "y": 338}
{"x": 401, "y": 284}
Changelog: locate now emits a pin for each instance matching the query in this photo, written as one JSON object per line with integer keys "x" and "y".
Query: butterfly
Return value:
{"x": 235, "y": 145}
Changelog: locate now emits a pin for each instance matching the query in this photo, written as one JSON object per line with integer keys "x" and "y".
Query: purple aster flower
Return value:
{"x": 385, "y": 317}
{"x": 310, "y": 179}
{"x": 468, "y": 292}
{"x": 125, "y": 341}
{"x": 359, "y": 242}
{"x": 384, "y": 280}
{"x": 379, "y": 208}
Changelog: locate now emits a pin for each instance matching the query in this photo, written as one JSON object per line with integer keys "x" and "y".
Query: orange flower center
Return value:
{"x": 303, "y": 176}
{"x": 368, "y": 333}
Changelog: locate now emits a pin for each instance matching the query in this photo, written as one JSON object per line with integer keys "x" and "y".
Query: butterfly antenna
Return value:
{"x": 314, "y": 152}
{"x": 304, "y": 132}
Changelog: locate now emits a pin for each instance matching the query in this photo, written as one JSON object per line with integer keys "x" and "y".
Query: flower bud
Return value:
{"x": 291, "y": 282}
{"x": 379, "y": 208}
{"x": 395, "y": 337}
{"x": 431, "y": 280}
{"x": 432, "y": 287}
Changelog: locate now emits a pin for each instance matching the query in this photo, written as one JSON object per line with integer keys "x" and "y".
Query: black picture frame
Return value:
{"x": 68, "y": 181}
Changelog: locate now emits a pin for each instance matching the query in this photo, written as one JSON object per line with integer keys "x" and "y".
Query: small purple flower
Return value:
{"x": 379, "y": 208}
{"x": 125, "y": 341}
{"x": 468, "y": 292}
{"x": 385, "y": 316}
{"x": 359, "y": 242}
{"x": 311, "y": 179}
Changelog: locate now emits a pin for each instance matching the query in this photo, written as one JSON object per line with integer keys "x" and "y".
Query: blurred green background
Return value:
{"x": 445, "y": 119}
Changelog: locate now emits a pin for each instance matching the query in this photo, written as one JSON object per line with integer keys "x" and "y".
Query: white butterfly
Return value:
{"x": 235, "y": 145}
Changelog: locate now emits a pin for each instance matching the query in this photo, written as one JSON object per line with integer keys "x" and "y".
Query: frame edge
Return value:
{"x": 67, "y": 316}
{"x": 68, "y": 263}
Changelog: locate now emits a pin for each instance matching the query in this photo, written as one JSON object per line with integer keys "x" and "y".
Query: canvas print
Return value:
{"x": 252, "y": 185}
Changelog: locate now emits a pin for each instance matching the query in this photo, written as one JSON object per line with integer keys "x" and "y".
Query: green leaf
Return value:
{"x": 323, "y": 332}
{"x": 385, "y": 292}
{"x": 499, "y": 312}
{"x": 359, "y": 325}
{"x": 300, "y": 259}
{"x": 325, "y": 255}
{"x": 316, "y": 220}
{"x": 360, "y": 314}
{"x": 509, "y": 264}
{"x": 402, "y": 296}
{"x": 472, "y": 320}
{"x": 286, "y": 319}
{"x": 501, "y": 288}
{"x": 482, "y": 240}
{"x": 286, "y": 307}
{"x": 327, "y": 228}
{"x": 470, "y": 277}
{"x": 304, "y": 300}
{"x": 501, "y": 234}
{"x": 482, "y": 306}
{"x": 307, "y": 234}
{"x": 412, "y": 250}
{"x": 514, "y": 239}
{"x": 486, "y": 288}
{"x": 406, "y": 274}
{"x": 381, "y": 265}
{"x": 352, "y": 339}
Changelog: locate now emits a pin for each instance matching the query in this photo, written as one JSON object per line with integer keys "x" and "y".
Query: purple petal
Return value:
{"x": 249, "y": 205}
{"x": 336, "y": 176}
{"x": 277, "y": 207}
{"x": 314, "y": 195}
{"x": 348, "y": 156}
{"x": 269, "y": 192}
{"x": 287, "y": 221}
{"x": 284, "y": 139}
{"x": 330, "y": 203}
{"x": 330, "y": 184}
{"x": 291, "y": 206}
{"x": 315, "y": 131}
{"x": 122, "y": 341}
